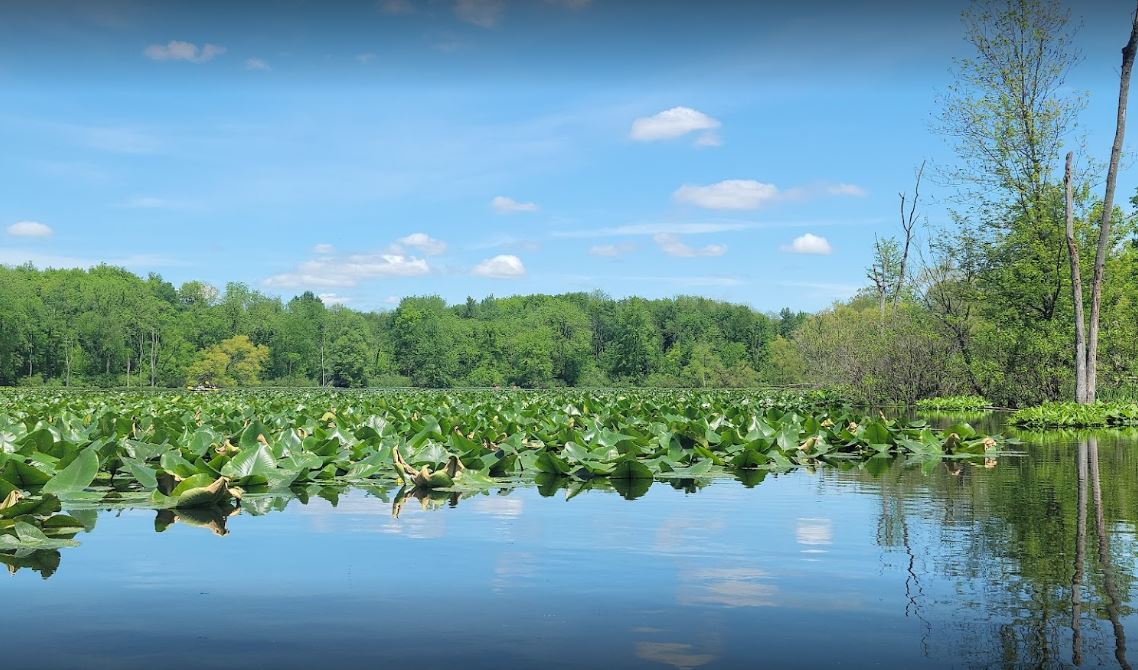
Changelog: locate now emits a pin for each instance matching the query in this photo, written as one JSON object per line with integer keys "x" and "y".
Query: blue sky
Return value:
{"x": 373, "y": 150}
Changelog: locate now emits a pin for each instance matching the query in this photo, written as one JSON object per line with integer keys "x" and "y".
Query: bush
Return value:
{"x": 954, "y": 403}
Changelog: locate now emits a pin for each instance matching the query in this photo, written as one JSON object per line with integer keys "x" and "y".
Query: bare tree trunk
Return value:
{"x": 1107, "y": 206}
{"x": 1076, "y": 288}
{"x": 907, "y": 224}
{"x": 322, "y": 378}
{"x": 153, "y": 357}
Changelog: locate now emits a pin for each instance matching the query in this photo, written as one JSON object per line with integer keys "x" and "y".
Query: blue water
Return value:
{"x": 912, "y": 567}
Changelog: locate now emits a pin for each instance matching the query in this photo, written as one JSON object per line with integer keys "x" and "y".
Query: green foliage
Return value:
{"x": 233, "y": 362}
{"x": 109, "y": 328}
{"x": 1075, "y": 415}
{"x": 954, "y": 403}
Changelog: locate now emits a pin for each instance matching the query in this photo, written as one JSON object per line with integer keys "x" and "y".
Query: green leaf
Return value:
{"x": 144, "y": 475}
{"x": 876, "y": 433}
{"x": 630, "y": 468}
{"x": 248, "y": 462}
{"x": 547, "y": 462}
{"x": 76, "y": 476}
{"x": 23, "y": 475}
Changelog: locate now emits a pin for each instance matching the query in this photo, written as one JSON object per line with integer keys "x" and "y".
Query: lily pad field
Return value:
{"x": 196, "y": 450}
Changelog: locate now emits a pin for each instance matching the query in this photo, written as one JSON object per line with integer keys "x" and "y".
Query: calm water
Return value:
{"x": 1025, "y": 563}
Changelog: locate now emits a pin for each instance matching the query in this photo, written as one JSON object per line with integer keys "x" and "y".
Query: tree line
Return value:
{"x": 105, "y": 326}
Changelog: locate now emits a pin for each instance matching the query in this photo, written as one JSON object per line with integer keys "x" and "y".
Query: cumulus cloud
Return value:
{"x": 29, "y": 229}
{"x": 674, "y": 246}
{"x": 396, "y": 7}
{"x": 333, "y": 299}
{"x": 482, "y": 13}
{"x": 392, "y": 300}
{"x": 809, "y": 244}
{"x": 728, "y": 194}
{"x": 256, "y": 64}
{"x": 611, "y": 250}
{"x": 365, "y": 58}
{"x": 183, "y": 51}
{"x": 504, "y": 205}
{"x": 424, "y": 243}
{"x": 673, "y": 123}
{"x": 330, "y": 270}
{"x": 502, "y": 266}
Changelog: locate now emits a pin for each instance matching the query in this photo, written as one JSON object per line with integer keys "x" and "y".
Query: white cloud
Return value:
{"x": 673, "y": 246}
{"x": 396, "y": 7}
{"x": 809, "y": 244}
{"x": 365, "y": 58}
{"x": 29, "y": 229}
{"x": 503, "y": 266}
{"x": 323, "y": 249}
{"x": 728, "y": 194}
{"x": 482, "y": 13}
{"x": 424, "y": 243}
{"x": 184, "y": 51}
{"x": 571, "y": 4}
{"x": 504, "y": 205}
{"x": 672, "y": 123}
{"x": 330, "y": 271}
{"x": 611, "y": 250}
{"x": 392, "y": 300}
{"x": 333, "y": 299}
{"x": 256, "y": 64}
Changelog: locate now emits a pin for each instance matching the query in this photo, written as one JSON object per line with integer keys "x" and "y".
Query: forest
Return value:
{"x": 107, "y": 327}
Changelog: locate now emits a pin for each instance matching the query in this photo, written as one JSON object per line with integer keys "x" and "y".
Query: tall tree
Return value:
{"x": 1076, "y": 284}
{"x": 1008, "y": 112}
{"x": 1108, "y": 207}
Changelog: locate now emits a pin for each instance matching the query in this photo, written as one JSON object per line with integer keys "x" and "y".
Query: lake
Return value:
{"x": 1025, "y": 560}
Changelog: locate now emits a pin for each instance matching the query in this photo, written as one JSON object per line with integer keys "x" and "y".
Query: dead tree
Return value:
{"x": 1107, "y": 207}
{"x": 908, "y": 223}
{"x": 1076, "y": 286}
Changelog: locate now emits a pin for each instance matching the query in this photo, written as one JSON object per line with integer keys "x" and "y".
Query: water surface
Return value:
{"x": 1028, "y": 561}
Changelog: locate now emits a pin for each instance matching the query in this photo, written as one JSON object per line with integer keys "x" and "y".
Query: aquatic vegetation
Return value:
{"x": 954, "y": 403}
{"x": 1075, "y": 415}
{"x": 197, "y": 454}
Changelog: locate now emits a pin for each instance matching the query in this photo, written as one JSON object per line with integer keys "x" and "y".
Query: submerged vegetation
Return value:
{"x": 954, "y": 403}
{"x": 186, "y": 451}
